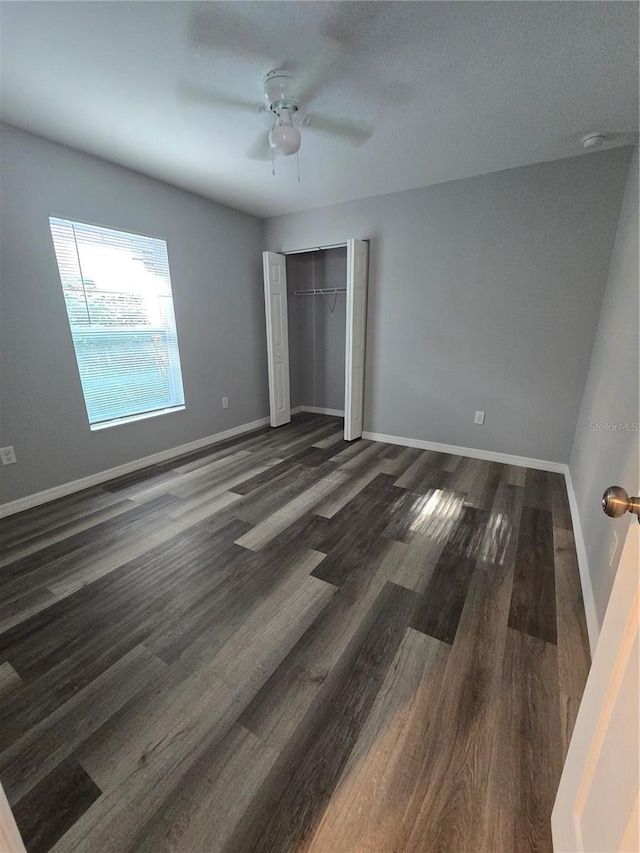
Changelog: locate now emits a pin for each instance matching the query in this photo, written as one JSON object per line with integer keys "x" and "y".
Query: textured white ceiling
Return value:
{"x": 453, "y": 89}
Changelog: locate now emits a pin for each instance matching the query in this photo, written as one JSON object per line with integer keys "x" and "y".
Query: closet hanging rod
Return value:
{"x": 320, "y": 292}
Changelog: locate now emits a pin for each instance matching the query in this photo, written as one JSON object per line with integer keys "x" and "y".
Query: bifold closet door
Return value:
{"x": 357, "y": 274}
{"x": 275, "y": 304}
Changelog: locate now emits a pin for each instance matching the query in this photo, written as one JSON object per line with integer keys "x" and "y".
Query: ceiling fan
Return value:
{"x": 284, "y": 136}
{"x": 283, "y": 105}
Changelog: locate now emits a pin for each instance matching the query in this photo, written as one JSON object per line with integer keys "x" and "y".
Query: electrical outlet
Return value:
{"x": 225, "y": 402}
{"x": 7, "y": 455}
{"x": 479, "y": 418}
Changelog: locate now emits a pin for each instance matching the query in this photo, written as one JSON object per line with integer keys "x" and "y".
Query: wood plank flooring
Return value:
{"x": 284, "y": 642}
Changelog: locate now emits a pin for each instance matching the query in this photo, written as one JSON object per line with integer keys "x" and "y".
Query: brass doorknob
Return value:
{"x": 615, "y": 502}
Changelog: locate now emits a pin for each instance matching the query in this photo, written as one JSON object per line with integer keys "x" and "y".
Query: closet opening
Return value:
{"x": 317, "y": 310}
{"x": 315, "y": 307}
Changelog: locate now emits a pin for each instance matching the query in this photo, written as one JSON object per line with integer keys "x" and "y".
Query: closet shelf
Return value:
{"x": 320, "y": 292}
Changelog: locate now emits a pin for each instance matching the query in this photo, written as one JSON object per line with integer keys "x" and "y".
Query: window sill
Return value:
{"x": 132, "y": 418}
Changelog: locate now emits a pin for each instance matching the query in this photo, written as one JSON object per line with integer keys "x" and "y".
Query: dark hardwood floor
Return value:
{"x": 285, "y": 642}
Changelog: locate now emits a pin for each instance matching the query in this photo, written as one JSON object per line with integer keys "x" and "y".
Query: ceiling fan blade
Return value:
{"x": 349, "y": 23}
{"x": 343, "y": 33}
{"x": 195, "y": 94}
{"x": 315, "y": 76}
{"x": 214, "y": 27}
{"x": 355, "y": 132}
{"x": 260, "y": 149}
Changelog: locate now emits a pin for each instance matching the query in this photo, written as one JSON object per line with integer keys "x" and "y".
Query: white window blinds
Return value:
{"x": 117, "y": 290}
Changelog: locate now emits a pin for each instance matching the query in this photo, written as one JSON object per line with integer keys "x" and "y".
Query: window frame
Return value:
{"x": 99, "y": 425}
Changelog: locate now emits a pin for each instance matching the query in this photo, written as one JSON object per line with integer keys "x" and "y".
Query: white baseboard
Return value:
{"x": 593, "y": 627}
{"x": 64, "y": 489}
{"x": 318, "y": 410}
{"x": 489, "y": 455}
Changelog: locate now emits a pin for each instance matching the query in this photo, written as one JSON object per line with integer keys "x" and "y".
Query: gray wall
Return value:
{"x": 215, "y": 260}
{"x": 317, "y": 336}
{"x": 483, "y": 294}
{"x": 601, "y": 459}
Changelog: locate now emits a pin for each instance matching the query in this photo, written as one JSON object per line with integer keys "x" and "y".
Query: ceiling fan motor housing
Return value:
{"x": 279, "y": 91}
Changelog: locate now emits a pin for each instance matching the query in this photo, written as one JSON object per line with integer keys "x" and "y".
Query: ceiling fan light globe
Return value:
{"x": 286, "y": 138}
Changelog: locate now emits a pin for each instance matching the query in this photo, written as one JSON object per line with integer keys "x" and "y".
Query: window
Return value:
{"x": 117, "y": 290}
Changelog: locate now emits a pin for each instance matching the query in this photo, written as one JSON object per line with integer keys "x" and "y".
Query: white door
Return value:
{"x": 596, "y": 808}
{"x": 357, "y": 274}
{"x": 10, "y": 840}
{"x": 275, "y": 302}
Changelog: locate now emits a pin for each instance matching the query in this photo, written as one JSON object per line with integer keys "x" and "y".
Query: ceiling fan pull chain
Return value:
{"x": 298, "y": 164}
{"x": 273, "y": 161}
